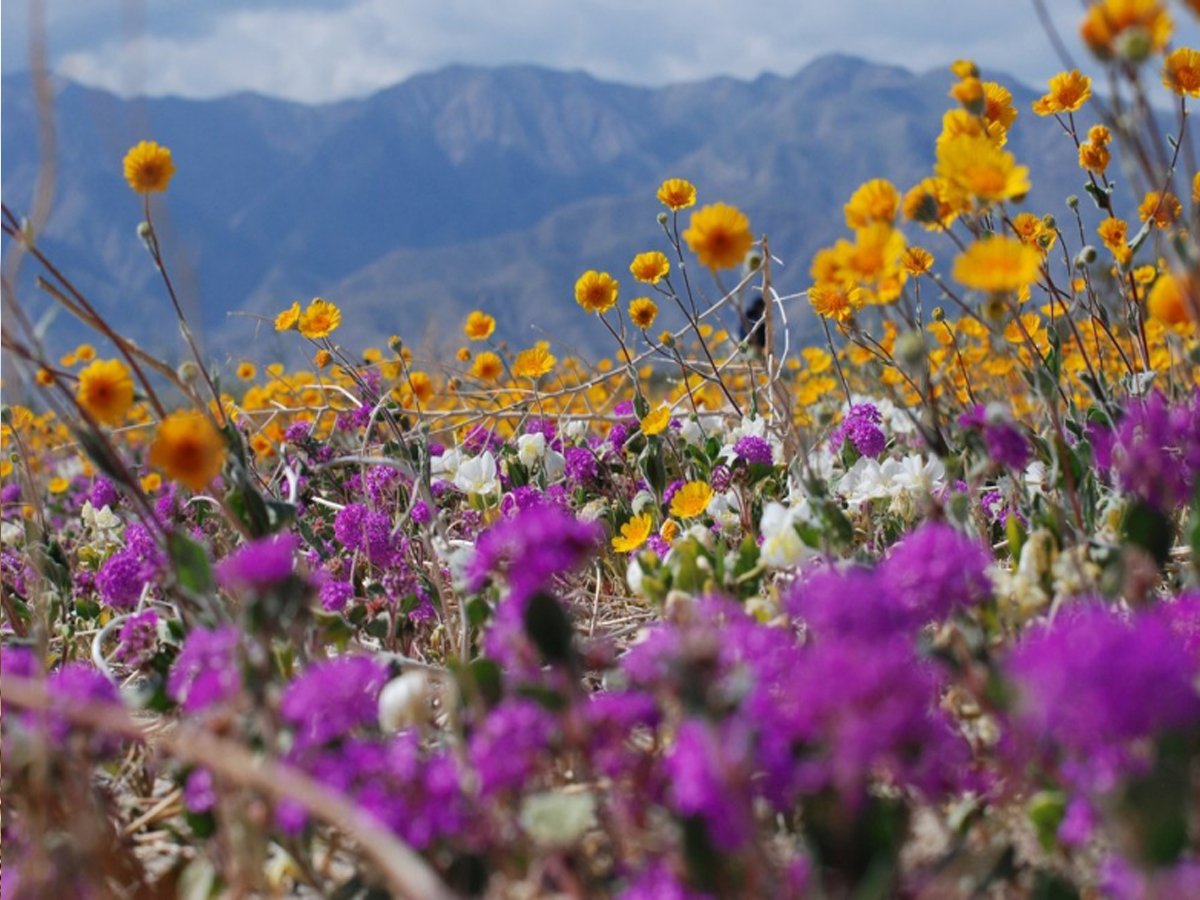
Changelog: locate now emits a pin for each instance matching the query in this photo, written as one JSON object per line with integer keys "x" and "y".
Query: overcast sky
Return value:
{"x": 320, "y": 50}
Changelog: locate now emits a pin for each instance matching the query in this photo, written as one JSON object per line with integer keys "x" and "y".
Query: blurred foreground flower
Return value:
{"x": 189, "y": 449}
{"x": 106, "y": 391}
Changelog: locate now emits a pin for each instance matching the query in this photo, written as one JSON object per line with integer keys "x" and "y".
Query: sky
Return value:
{"x": 317, "y": 51}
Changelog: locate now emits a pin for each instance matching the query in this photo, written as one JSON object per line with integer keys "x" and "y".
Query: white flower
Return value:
{"x": 478, "y": 475}
{"x": 781, "y": 546}
{"x": 918, "y": 475}
{"x": 531, "y": 448}
{"x": 12, "y": 533}
{"x": 641, "y": 501}
{"x": 403, "y": 701}
{"x": 102, "y": 525}
{"x": 1036, "y": 477}
{"x": 446, "y": 465}
{"x": 554, "y": 464}
{"x": 458, "y": 556}
{"x": 634, "y": 577}
{"x": 575, "y": 429}
{"x": 726, "y": 509}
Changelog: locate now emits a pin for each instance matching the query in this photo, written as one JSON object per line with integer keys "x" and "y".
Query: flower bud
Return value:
{"x": 1072, "y": 201}
{"x": 910, "y": 348}
{"x": 404, "y": 701}
{"x": 188, "y": 371}
{"x": 1134, "y": 44}
{"x": 1085, "y": 257}
{"x": 662, "y": 218}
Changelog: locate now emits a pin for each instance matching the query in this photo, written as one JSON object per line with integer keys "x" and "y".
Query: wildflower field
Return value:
{"x": 910, "y": 612}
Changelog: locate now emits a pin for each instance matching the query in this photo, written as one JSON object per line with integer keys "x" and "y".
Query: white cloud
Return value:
{"x": 319, "y": 53}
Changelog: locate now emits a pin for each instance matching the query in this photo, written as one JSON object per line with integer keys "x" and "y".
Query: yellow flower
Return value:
{"x": 148, "y": 167}
{"x": 1034, "y": 231}
{"x": 669, "y": 531}
{"x": 106, "y": 391}
{"x": 633, "y": 534}
{"x": 677, "y": 194}
{"x": 1164, "y": 209}
{"x": 642, "y": 312}
{"x": 998, "y": 107}
{"x": 479, "y": 326}
{"x": 975, "y": 167}
{"x": 463, "y": 354}
{"x": 916, "y": 261}
{"x": 421, "y": 386}
{"x": 719, "y": 235}
{"x": 835, "y": 301}
{"x": 322, "y": 358}
{"x": 85, "y": 353}
{"x": 874, "y": 201}
{"x": 1196, "y": 188}
{"x": 188, "y": 448}
{"x": 1146, "y": 21}
{"x": 929, "y": 204}
{"x": 1114, "y": 233}
{"x": 969, "y": 92}
{"x": 1169, "y": 300}
{"x": 1181, "y": 72}
{"x": 487, "y": 366}
{"x": 44, "y": 377}
{"x": 964, "y": 68}
{"x": 650, "y": 267}
{"x": 320, "y": 319}
{"x": 246, "y": 370}
{"x": 1068, "y": 92}
{"x": 59, "y": 485}
{"x": 998, "y": 263}
{"x": 533, "y": 363}
{"x": 596, "y": 291}
{"x": 691, "y": 500}
{"x": 289, "y": 318}
{"x": 656, "y": 422}
{"x": 1094, "y": 157}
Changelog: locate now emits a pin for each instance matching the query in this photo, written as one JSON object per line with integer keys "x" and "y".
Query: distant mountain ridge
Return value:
{"x": 468, "y": 188}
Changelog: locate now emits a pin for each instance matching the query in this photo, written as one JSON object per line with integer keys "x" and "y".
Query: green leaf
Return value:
{"x": 189, "y": 560}
{"x": 1150, "y": 529}
{"x": 549, "y": 627}
{"x": 1046, "y": 810}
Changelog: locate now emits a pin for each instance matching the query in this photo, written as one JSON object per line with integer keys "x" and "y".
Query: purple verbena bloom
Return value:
{"x": 508, "y": 746}
{"x": 581, "y": 465}
{"x": 206, "y": 671}
{"x": 297, "y": 432}
{"x": 198, "y": 793}
{"x": 78, "y": 684}
{"x": 121, "y": 578}
{"x": 1093, "y": 686}
{"x": 753, "y": 449}
{"x": 658, "y": 881}
{"x": 936, "y": 569}
{"x": 260, "y": 564}
{"x": 138, "y": 639}
{"x": 1156, "y": 453}
{"x": 537, "y": 543}
{"x": 330, "y": 699}
{"x": 707, "y": 780}
{"x": 103, "y": 493}
{"x": 335, "y": 594}
{"x": 861, "y": 426}
{"x": 1006, "y": 445}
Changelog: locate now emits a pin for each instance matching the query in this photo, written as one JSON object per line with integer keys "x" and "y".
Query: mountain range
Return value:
{"x": 465, "y": 188}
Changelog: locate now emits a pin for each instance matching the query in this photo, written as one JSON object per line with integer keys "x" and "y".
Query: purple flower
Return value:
{"x": 206, "y": 671}
{"x": 936, "y": 569}
{"x": 359, "y": 528}
{"x": 1156, "y": 452}
{"x": 659, "y": 882}
{"x": 336, "y": 594}
{"x": 1006, "y": 445}
{"x": 332, "y": 698}
{"x": 720, "y": 478}
{"x": 297, "y": 432}
{"x": 509, "y": 744}
{"x": 77, "y": 684}
{"x": 198, "y": 793}
{"x": 861, "y": 427}
{"x": 753, "y": 449}
{"x": 535, "y": 544}
{"x": 138, "y": 639}
{"x": 259, "y": 565}
{"x": 121, "y": 579}
{"x": 1092, "y": 685}
{"x": 103, "y": 493}
{"x": 707, "y": 781}
{"x": 581, "y": 465}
